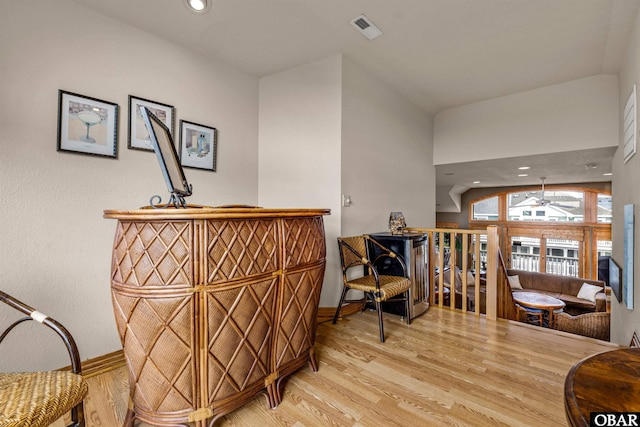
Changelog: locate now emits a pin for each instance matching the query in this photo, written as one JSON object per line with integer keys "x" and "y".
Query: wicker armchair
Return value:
{"x": 354, "y": 252}
{"x": 39, "y": 398}
{"x": 594, "y": 325}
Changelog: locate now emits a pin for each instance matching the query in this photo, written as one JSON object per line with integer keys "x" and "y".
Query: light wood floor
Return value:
{"x": 445, "y": 369}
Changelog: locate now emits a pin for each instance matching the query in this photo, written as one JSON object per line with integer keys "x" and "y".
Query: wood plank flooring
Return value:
{"x": 445, "y": 369}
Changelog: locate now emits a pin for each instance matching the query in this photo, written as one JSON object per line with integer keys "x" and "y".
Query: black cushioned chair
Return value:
{"x": 37, "y": 399}
{"x": 355, "y": 252}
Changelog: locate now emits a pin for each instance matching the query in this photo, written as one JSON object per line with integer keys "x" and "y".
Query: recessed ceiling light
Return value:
{"x": 198, "y": 6}
{"x": 476, "y": 182}
{"x": 524, "y": 168}
{"x": 608, "y": 174}
{"x": 523, "y": 174}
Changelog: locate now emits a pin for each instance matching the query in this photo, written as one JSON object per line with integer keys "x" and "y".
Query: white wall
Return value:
{"x": 56, "y": 247}
{"x": 299, "y": 150}
{"x": 576, "y": 115}
{"x": 327, "y": 129}
{"x": 387, "y": 156}
{"x": 625, "y": 191}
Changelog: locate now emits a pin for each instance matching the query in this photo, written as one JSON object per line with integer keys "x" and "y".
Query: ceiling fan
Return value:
{"x": 542, "y": 201}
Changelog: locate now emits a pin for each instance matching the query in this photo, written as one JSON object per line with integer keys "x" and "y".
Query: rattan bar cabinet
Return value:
{"x": 214, "y": 306}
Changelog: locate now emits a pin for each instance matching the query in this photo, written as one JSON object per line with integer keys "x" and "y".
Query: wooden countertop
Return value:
{"x": 208, "y": 212}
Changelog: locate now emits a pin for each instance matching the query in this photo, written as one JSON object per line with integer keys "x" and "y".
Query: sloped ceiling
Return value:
{"x": 437, "y": 53}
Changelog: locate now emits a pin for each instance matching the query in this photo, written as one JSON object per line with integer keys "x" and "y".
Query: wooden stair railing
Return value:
{"x": 498, "y": 298}
{"x": 506, "y": 305}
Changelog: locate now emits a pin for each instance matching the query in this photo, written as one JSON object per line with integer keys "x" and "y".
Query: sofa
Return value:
{"x": 565, "y": 288}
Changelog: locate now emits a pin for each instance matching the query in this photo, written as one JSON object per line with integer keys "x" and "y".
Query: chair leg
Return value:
{"x": 407, "y": 307}
{"x": 77, "y": 415}
{"x": 344, "y": 294}
{"x": 379, "y": 310}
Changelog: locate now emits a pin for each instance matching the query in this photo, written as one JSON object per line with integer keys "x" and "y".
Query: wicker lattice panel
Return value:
{"x": 157, "y": 336}
{"x": 301, "y": 295}
{"x": 240, "y": 249}
{"x": 153, "y": 253}
{"x": 304, "y": 240}
{"x": 240, "y": 325}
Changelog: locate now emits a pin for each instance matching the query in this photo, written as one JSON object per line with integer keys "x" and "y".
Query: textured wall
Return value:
{"x": 626, "y": 191}
{"x": 56, "y": 247}
{"x": 300, "y": 116}
{"x": 575, "y": 115}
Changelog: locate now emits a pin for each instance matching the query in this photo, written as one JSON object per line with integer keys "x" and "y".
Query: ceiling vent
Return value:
{"x": 366, "y": 27}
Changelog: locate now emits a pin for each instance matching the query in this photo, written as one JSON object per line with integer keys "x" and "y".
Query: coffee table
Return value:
{"x": 535, "y": 302}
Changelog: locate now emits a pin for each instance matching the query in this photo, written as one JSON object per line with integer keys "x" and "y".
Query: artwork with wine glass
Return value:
{"x": 87, "y": 125}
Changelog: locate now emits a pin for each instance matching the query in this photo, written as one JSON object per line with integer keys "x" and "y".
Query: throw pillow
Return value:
{"x": 589, "y": 292}
{"x": 471, "y": 279}
{"x": 514, "y": 282}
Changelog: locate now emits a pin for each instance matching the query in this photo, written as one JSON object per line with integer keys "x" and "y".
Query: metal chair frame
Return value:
{"x": 376, "y": 297}
{"x": 77, "y": 412}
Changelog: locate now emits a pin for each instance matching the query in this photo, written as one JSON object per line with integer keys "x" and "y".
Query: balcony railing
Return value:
{"x": 554, "y": 265}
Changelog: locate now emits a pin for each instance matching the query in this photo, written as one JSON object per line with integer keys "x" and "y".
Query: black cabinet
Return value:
{"x": 414, "y": 249}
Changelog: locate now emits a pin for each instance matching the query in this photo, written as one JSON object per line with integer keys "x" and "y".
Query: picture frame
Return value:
{"x": 138, "y": 138}
{"x": 198, "y": 146}
{"x": 630, "y": 126}
{"x": 87, "y": 125}
{"x": 629, "y": 233}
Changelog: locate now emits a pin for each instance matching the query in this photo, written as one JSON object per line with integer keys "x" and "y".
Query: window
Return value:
{"x": 521, "y": 257}
{"x": 559, "y": 205}
{"x": 605, "y": 208}
{"x": 555, "y": 252}
{"x": 486, "y": 209}
{"x": 540, "y": 228}
{"x": 605, "y": 248}
{"x": 559, "y": 260}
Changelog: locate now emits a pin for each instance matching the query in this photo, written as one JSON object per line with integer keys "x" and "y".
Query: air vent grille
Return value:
{"x": 362, "y": 23}
{"x": 366, "y": 27}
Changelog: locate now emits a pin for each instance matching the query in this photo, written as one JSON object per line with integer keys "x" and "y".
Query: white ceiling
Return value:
{"x": 559, "y": 168}
{"x": 437, "y": 53}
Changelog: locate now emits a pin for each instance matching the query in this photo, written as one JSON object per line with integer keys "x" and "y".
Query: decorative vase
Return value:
{"x": 396, "y": 223}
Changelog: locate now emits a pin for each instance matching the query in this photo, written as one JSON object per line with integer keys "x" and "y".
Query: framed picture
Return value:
{"x": 198, "y": 146}
{"x": 138, "y": 134}
{"x": 629, "y": 232}
{"x": 630, "y": 126}
{"x": 87, "y": 125}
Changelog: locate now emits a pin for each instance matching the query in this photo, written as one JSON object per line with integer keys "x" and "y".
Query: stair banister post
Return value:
{"x": 492, "y": 272}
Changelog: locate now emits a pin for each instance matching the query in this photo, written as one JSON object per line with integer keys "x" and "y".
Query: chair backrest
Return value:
{"x": 353, "y": 251}
{"x": 593, "y": 324}
{"x": 50, "y": 394}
